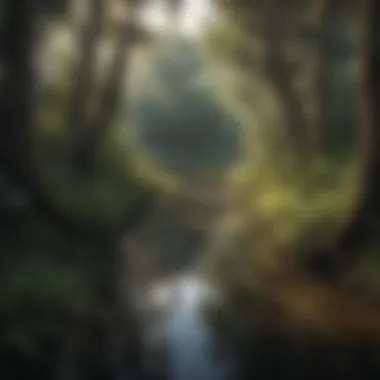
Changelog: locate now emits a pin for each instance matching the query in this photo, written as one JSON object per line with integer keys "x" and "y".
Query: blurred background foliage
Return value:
{"x": 197, "y": 136}
{"x": 125, "y": 152}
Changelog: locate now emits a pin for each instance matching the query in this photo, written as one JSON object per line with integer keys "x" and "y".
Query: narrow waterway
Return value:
{"x": 181, "y": 330}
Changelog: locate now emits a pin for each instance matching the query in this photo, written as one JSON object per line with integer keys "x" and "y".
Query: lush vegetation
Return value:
{"x": 112, "y": 134}
{"x": 302, "y": 234}
{"x": 304, "y": 102}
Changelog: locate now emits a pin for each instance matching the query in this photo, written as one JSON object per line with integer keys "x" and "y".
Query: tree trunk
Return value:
{"x": 16, "y": 105}
{"x": 324, "y": 51}
{"x": 16, "y": 113}
{"x": 279, "y": 77}
{"x": 68, "y": 361}
{"x": 363, "y": 227}
{"x": 16, "y": 109}
{"x": 122, "y": 341}
{"x": 85, "y": 71}
{"x": 109, "y": 97}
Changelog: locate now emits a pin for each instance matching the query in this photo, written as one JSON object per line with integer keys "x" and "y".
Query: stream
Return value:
{"x": 178, "y": 337}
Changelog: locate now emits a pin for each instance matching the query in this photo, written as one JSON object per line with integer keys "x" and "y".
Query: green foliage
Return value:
{"x": 281, "y": 217}
{"x": 102, "y": 200}
{"x": 35, "y": 293}
{"x": 286, "y": 207}
{"x": 236, "y": 43}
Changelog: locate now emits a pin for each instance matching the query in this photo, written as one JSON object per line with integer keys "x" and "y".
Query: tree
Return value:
{"x": 313, "y": 274}
{"x": 271, "y": 52}
{"x": 361, "y": 230}
{"x": 18, "y": 159}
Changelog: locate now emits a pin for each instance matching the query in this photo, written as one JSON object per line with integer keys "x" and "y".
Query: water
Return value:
{"x": 183, "y": 331}
{"x": 179, "y": 330}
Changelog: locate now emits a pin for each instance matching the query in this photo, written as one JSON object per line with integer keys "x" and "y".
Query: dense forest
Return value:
{"x": 245, "y": 151}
